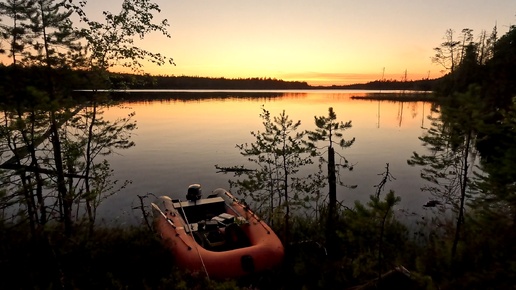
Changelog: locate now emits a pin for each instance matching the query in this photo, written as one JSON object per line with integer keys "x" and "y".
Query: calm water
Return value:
{"x": 180, "y": 140}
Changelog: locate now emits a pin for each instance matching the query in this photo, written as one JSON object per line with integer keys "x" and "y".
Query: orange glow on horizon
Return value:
{"x": 322, "y": 43}
{"x": 312, "y": 78}
{"x": 320, "y": 79}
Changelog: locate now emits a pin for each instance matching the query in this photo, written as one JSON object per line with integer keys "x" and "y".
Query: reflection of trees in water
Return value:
{"x": 413, "y": 99}
{"x": 413, "y": 107}
{"x": 463, "y": 175}
{"x": 400, "y": 113}
{"x": 52, "y": 165}
{"x": 378, "y": 115}
{"x": 144, "y": 96}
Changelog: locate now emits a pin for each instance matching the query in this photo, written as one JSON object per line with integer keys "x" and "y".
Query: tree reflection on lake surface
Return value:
{"x": 53, "y": 166}
{"x": 181, "y": 136}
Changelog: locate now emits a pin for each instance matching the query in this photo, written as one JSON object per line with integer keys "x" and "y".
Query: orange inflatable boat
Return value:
{"x": 217, "y": 235}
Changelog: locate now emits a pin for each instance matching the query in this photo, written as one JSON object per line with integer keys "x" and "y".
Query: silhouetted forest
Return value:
{"x": 418, "y": 85}
{"x": 189, "y": 82}
{"x": 193, "y": 82}
{"x": 79, "y": 80}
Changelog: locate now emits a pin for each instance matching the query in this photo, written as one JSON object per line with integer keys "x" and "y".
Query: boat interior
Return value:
{"x": 212, "y": 227}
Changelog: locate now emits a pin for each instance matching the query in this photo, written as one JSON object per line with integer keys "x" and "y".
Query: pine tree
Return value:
{"x": 278, "y": 153}
{"x": 18, "y": 12}
{"x": 330, "y": 130}
{"x": 55, "y": 140}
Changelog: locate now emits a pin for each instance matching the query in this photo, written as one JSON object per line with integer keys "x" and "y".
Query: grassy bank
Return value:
{"x": 133, "y": 258}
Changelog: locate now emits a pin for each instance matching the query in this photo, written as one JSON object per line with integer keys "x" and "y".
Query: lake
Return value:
{"x": 181, "y": 137}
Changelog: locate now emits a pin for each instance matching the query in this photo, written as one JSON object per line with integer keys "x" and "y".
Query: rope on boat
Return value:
{"x": 177, "y": 234}
{"x": 196, "y": 246}
{"x": 173, "y": 226}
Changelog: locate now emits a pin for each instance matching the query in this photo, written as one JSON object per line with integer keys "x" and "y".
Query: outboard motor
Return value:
{"x": 194, "y": 192}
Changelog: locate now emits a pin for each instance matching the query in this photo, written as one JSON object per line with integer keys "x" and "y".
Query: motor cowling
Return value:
{"x": 194, "y": 192}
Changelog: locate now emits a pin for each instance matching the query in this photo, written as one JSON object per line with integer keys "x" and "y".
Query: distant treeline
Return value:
{"x": 87, "y": 80}
{"x": 185, "y": 96}
{"x": 194, "y": 82}
{"x": 419, "y": 85}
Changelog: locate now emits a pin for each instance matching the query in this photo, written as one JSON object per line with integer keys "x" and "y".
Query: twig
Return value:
{"x": 142, "y": 208}
{"x": 387, "y": 176}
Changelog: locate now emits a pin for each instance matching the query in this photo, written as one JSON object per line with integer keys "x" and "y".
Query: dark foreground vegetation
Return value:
{"x": 54, "y": 174}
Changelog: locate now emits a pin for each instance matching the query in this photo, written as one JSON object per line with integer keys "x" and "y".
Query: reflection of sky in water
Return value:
{"x": 180, "y": 142}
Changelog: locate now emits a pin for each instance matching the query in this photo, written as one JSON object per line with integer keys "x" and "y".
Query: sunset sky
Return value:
{"x": 322, "y": 42}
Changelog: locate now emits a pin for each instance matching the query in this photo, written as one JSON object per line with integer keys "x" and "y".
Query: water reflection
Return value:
{"x": 183, "y": 135}
{"x": 138, "y": 96}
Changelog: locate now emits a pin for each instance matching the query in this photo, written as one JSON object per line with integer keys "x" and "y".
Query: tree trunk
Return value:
{"x": 28, "y": 139}
{"x": 61, "y": 183}
{"x": 35, "y": 163}
{"x": 89, "y": 162}
{"x": 287, "y": 206}
{"x": 332, "y": 204}
{"x": 464, "y": 177}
